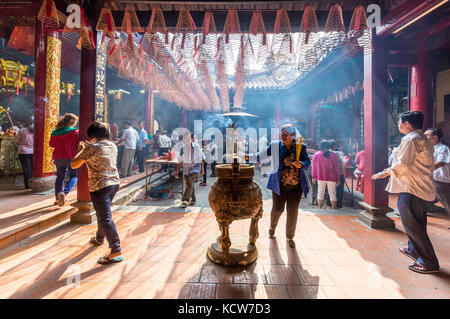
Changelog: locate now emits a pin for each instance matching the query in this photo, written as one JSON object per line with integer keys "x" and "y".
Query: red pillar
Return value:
{"x": 41, "y": 181}
{"x": 39, "y": 98}
{"x": 87, "y": 115}
{"x": 420, "y": 84}
{"x": 376, "y": 115}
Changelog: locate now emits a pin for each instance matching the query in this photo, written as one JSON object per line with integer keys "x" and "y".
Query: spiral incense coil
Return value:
{"x": 48, "y": 14}
{"x": 282, "y": 47}
{"x": 130, "y": 21}
{"x": 106, "y": 23}
{"x": 359, "y": 29}
{"x": 157, "y": 24}
{"x": 114, "y": 52}
{"x": 231, "y": 24}
{"x": 335, "y": 27}
{"x": 208, "y": 26}
{"x": 257, "y": 26}
{"x": 222, "y": 79}
{"x": 309, "y": 23}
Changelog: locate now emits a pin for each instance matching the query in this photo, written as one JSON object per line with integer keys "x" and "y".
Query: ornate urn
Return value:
{"x": 235, "y": 196}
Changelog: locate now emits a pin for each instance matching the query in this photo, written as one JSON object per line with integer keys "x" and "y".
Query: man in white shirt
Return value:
{"x": 212, "y": 150}
{"x": 130, "y": 138}
{"x": 164, "y": 143}
{"x": 411, "y": 177}
{"x": 192, "y": 158}
{"x": 441, "y": 174}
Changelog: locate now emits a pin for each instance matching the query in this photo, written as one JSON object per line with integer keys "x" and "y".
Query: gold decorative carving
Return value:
{"x": 52, "y": 91}
{"x": 8, "y": 21}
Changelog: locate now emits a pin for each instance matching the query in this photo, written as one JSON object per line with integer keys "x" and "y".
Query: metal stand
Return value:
{"x": 148, "y": 178}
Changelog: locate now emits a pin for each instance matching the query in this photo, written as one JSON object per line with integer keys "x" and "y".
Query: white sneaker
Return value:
{"x": 61, "y": 198}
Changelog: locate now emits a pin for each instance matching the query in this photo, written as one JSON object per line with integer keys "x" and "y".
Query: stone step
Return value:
{"x": 18, "y": 225}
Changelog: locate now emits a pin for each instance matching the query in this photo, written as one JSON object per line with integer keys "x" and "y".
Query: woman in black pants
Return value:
{"x": 100, "y": 156}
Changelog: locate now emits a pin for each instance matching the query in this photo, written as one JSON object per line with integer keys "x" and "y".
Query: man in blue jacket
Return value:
{"x": 287, "y": 180}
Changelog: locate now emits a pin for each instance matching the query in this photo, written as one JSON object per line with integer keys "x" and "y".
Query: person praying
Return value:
{"x": 287, "y": 180}
{"x": 411, "y": 177}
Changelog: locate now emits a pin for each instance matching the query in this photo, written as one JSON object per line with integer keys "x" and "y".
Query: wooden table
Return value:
{"x": 172, "y": 167}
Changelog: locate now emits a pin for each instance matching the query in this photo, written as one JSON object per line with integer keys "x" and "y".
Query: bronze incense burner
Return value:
{"x": 233, "y": 196}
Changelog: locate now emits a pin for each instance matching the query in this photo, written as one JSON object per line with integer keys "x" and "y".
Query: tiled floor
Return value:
{"x": 165, "y": 257}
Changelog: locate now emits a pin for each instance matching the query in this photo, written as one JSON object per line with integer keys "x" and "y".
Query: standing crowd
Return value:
{"x": 419, "y": 173}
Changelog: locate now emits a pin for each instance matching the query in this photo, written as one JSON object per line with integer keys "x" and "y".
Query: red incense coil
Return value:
{"x": 130, "y": 21}
{"x": 309, "y": 22}
{"x": 157, "y": 23}
{"x": 231, "y": 24}
{"x": 48, "y": 14}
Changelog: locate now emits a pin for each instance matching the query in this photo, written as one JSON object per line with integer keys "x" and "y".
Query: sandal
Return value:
{"x": 421, "y": 269}
{"x": 94, "y": 241}
{"x": 404, "y": 252}
{"x": 106, "y": 260}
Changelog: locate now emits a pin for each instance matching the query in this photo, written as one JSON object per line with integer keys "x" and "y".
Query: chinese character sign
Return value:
{"x": 100, "y": 80}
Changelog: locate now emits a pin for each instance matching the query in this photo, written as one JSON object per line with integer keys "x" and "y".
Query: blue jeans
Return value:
{"x": 413, "y": 214}
{"x": 101, "y": 200}
{"x": 61, "y": 172}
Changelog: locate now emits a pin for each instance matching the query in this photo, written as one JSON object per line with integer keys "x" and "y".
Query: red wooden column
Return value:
{"x": 86, "y": 213}
{"x": 41, "y": 181}
{"x": 376, "y": 115}
{"x": 420, "y": 83}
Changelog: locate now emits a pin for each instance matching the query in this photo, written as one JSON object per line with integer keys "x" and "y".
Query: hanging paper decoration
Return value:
{"x": 48, "y": 14}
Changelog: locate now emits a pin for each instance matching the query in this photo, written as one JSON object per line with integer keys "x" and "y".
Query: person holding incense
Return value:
{"x": 287, "y": 180}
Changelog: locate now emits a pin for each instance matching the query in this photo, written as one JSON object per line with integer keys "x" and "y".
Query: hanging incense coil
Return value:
{"x": 241, "y": 76}
{"x": 282, "y": 46}
{"x": 183, "y": 41}
{"x": 257, "y": 26}
{"x": 48, "y": 14}
{"x": 87, "y": 39}
{"x": 335, "y": 27}
{"x": 222, "y": 80}
{"x": 106, "y": 23}
{"x": 309, "y": 24}
{"x": 114, "y": 52}
{"x": 208, "y": 37}
{"x": 359, "y": 35}
{"x": 157, "y": 24}
{"x": 231, "y": 24}
{"x": 209, "y": 25}
{"x": 130, "y": 21}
